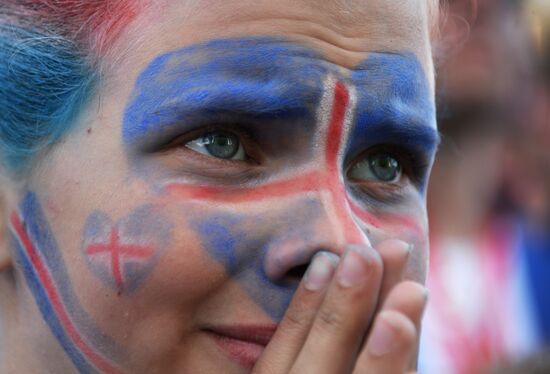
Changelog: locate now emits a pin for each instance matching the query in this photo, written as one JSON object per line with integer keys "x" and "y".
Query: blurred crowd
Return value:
{"x": 489, "y": 197}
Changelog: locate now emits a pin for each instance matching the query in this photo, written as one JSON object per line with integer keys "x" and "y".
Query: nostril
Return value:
{"x": 297, "y": 272}
{"x": 289, "y": 260}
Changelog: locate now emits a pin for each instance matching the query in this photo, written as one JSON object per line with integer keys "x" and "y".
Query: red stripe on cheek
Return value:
{"x": 389, "y": 221}
{"x": 55, "y": 299}
{"x": 364, "y": 216}
{"x": 302, "y": 184}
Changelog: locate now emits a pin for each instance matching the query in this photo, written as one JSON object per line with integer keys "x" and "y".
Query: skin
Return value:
{"x": 105, "y": 189}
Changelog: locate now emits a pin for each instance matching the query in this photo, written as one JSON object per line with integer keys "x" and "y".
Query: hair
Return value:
{"x": 50, "y": 51}
{"x": 50, "y": 54}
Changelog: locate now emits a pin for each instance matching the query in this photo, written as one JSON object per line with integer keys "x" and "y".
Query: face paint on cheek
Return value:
{"x": 390, "y": 222}
{"x": 41, "y": 262}
{"x": 243, "y": 258}
{"x": 241, "y": 243}
{"x": 121, "y": 254}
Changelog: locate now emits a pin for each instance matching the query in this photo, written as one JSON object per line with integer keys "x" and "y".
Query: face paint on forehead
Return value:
{"x": 394, "y": 107}
{"x": 255, "y": 78}
{"x": 38, "y": 255}
{"x": 271, "y": 78}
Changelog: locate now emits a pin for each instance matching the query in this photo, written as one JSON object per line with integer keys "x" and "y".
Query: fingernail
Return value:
{"x": 355, "y": 267}
{"x": 407, "y": 247}
{"x": 384, "y": 337}
{"x": 320, "y": 271}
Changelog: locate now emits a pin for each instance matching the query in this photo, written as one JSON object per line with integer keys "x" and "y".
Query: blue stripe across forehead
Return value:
{"x": 268, "y": 78}
{"x": 256, "y": 77}
{"x": 393, "y": 99}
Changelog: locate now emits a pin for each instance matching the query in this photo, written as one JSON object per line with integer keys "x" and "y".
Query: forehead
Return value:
{"x": 342, "y": 31}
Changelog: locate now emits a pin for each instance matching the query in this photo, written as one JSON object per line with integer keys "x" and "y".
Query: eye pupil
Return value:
{"x": 384, "y": 166}
{"x": 221, "y": 145}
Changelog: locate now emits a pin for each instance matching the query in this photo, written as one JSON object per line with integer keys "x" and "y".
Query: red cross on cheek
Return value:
{"x": 119, "y": 253}
{"x": 336, "y": 109}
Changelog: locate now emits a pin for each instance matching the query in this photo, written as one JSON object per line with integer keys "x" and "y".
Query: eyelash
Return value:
{"x": 253, "y": 154}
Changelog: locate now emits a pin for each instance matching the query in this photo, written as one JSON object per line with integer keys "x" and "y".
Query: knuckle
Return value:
{"x": 298, "y": 320}
{"x": 408, "y": 333}
{"x": 405, "y": 329}
{"x": 330, "y": 320}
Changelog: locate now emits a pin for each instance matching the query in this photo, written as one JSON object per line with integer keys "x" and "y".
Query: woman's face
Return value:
{"x": 228, "y": 142}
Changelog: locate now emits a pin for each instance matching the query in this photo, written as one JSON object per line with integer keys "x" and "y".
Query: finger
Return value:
{"x": 395, "y": 255}
{"x": 390, "y": 345}
{"x": 284, "y": 347}
{"x": 408, "y": 299}
{"x": 344, "y": 315}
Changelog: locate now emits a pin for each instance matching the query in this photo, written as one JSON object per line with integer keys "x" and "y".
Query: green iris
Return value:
{"x": 382, "y": 167}
{"x": 219, "y": 144}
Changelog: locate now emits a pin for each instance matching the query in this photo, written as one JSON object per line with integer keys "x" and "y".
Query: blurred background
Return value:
{"x": 489, "y": 197}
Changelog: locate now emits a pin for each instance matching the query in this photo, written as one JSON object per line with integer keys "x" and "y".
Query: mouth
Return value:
{"x": 242, "y": 344}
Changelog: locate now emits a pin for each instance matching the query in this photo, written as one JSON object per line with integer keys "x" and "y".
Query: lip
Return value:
{"x": 243, "y": 344}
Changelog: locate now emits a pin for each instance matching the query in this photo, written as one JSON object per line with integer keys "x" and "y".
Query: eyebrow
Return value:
{"x": 394, "y": 104}
{"x": 252, "y": 77}
{"x": 417, "y": 137}
{"x": 230, "y": 97}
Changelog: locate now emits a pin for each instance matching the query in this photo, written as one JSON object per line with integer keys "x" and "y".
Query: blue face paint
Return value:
{"x": 268, "y": 82}
{"x": 251, "y": 78}
{"x": 243, "y": 257}
{"x": 122, "y": 254}
{"x": 38, "y": 255}
{"x": 243, "y": 251}
{"x": 395, "y": 107}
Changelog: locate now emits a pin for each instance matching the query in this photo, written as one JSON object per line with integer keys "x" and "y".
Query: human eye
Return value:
{"x": 380, "y": 166}
{"x": 219, "y": 144}
{"x": 388, "y": 174}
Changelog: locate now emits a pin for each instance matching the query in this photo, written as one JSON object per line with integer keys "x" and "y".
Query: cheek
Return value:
{"x": 243, "y": 239}
{"x": 143, "y": 274}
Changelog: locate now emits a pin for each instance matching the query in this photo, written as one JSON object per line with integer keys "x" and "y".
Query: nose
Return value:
{"x": 327, "y": 228}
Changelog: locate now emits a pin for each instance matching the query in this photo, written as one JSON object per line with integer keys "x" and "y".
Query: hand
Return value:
{"x": 326, "y": 327}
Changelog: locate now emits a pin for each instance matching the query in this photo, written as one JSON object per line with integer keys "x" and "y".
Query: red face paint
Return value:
{"x": 324, "y": 181}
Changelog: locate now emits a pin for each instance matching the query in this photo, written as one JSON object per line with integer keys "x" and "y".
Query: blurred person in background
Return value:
{"x": 528, "y": 178}
{"x": 482, "y": 311}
